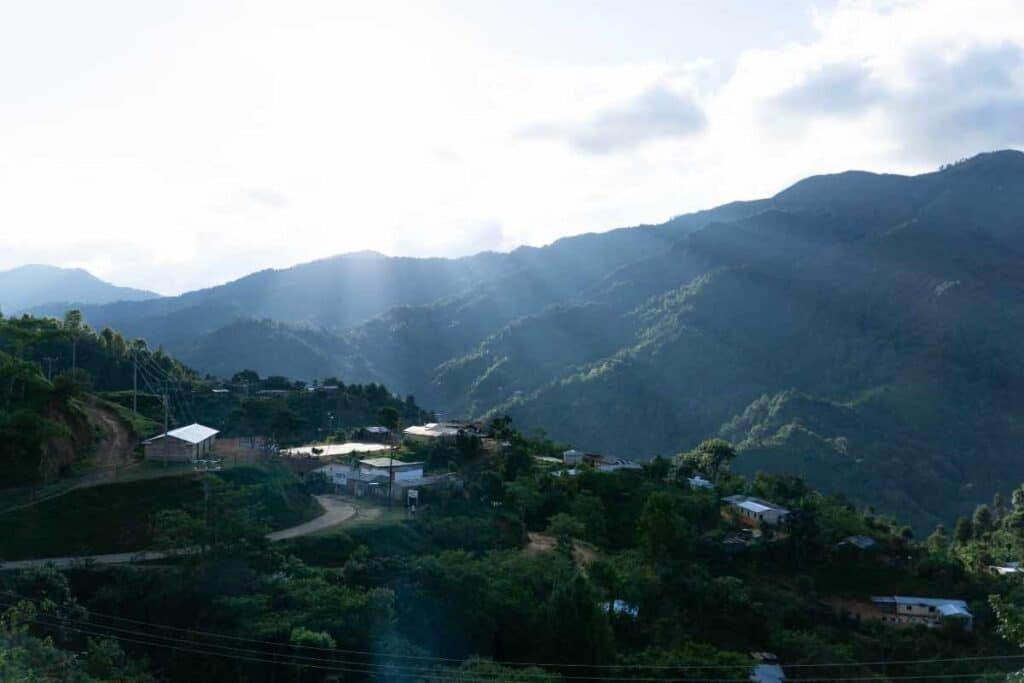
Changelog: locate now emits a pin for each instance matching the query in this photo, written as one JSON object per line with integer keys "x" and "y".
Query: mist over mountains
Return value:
{"x": 861, "y": 329}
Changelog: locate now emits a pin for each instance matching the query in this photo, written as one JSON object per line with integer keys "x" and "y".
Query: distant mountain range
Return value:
{"x": 861, "y": 329}
{"x": 32, "y": 286}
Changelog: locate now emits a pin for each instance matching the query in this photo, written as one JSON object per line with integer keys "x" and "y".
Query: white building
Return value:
{"x": 909, "y": 610}
{"x": 755, "y": 512}
{"x": 337, "y": 474}
{"x": 184, "y": 444}
{"x": 383, "y": 467}
{"x": 572, "y": 457}
{"x": 699, "y": 482}
{"x": 430, "y": 431}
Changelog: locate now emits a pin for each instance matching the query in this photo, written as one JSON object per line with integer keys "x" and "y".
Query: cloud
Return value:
{"x": 659, "y": 113}
{"x": 266, "y": 197}
{"x": 839, "y": 89}
{"x": 963, "y": 105}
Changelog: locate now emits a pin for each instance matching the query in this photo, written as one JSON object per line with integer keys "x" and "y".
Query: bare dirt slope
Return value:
{"x": 117, "y": 441}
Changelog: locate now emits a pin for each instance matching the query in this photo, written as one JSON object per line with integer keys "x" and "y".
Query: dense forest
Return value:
{"x": 526, "y": 575}
{"x": 859, "y": 329}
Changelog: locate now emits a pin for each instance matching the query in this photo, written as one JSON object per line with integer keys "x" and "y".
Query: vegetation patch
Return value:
{"x": 123, "y": 517}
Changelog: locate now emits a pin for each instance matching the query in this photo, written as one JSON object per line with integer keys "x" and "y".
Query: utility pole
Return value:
{"x": 135, "y": 384}
{"x": 49, "y": 366}
{"x": 167, "y": 444}
{"x": 391, "y": 477}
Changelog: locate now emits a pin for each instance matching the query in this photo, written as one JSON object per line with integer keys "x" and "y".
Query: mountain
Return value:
{"x": 31, "y": 286}
{"x": 862, "y": 329}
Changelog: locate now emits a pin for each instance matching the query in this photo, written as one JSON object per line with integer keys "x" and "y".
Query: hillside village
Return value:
{"x": 335, "y": 476}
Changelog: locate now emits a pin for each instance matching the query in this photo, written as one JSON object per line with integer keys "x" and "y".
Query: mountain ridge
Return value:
{"x": 645, "y": 340}
{"x": 33, "y": 285}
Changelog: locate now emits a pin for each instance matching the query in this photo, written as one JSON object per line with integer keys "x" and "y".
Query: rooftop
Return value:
{"x": 389, "y": 462}
{"x": 193, "y": 434}
{"x": 754, "y": 504}
{"x": 948, "y": 607}
{"x": 859, "y": 541}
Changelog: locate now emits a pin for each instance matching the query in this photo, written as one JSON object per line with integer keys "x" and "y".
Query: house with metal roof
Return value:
{"x": 431, "y": 432}
{"x": 184, "y": 444}
{"x": 767, "y": 668}
{"x": 389, "y": 468}
{"x": 907, "y": 610}
{"x": 754, "y": 511}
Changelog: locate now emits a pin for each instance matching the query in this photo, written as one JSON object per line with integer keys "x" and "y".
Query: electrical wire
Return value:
{"x": 378, "y": 655}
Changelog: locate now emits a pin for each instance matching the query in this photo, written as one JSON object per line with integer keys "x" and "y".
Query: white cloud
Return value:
{"x": 170, "y": 149}
{"x": 658, "y": 113}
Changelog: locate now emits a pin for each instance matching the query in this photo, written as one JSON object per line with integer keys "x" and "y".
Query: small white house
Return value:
{"x": 699, "y": 482}
{"x": 336, "y": 474}
{"x": 431, "y": 432}
{"x": 184, "y": 444}
{"x": 754, "y": 511}
{"x": 384, "y": 467}
{"x": 572, "y": 457}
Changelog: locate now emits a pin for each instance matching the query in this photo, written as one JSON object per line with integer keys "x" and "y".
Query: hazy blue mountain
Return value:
{"x": 30, "y": 286}
{"x": 862, "y": 329}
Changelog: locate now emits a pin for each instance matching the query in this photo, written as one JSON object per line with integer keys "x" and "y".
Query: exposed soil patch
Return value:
{"x": 582, "y": 552}
{"x": 117, "y": 441}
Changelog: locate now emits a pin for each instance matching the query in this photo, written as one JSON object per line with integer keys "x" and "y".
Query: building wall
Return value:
{"x": 175, "y": 450}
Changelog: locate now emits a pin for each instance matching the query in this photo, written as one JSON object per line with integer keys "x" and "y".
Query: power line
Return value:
{"x": 356, "y": 667}
{"x": 367, "y": 653}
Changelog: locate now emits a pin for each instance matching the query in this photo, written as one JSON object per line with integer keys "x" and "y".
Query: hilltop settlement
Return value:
{"x": 271, "y": 529}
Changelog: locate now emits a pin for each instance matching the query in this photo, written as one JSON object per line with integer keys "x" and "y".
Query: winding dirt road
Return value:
{"x": 336, "y": 511}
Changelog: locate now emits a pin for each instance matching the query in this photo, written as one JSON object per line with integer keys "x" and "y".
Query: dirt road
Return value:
{"x": 336, "y": 511}
{"x": 118, "y": 444}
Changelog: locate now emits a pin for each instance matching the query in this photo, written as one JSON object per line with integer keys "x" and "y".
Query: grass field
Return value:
{"x": 119, "y": 517}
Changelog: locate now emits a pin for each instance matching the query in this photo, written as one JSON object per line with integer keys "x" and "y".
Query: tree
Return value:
{"x": 388, "y": 417}
{"x": 1017, "y": 499}
{"x": 938, "y": 541}
{"x": 998, "y": 507}
{"x": 982, "y": 521}
{"x": 662, "y": 532}
{"x": 963, "y": 532}
{"x": 74, "y": 324}
{"x": 564, "y": 528}
{"x": 711, "y": 458}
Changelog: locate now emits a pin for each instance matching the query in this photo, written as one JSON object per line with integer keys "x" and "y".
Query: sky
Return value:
{"x": 179, "y": 145}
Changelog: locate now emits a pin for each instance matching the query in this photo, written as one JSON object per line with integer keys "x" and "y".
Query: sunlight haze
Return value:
{"x": 171, "y": 146}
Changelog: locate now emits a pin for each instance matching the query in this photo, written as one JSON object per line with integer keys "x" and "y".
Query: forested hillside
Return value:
{"x": 859, "y": 328}
{"x": 67, "y": 394}
{"x": 524, "y": 573}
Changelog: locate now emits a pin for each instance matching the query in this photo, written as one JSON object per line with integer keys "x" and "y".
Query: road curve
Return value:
{"x": 336, "y": 511}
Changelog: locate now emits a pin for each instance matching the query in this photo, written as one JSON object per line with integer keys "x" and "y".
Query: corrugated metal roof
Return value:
{"x": 194, "y": 433}
{"x": 388, "y": 462}
{"x": 754, "y": 504}
{"x": 768, "y": 673}
{"x": 947, "y": 606}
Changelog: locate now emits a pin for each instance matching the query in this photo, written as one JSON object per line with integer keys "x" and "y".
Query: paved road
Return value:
{"x": 336, "y": 511}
